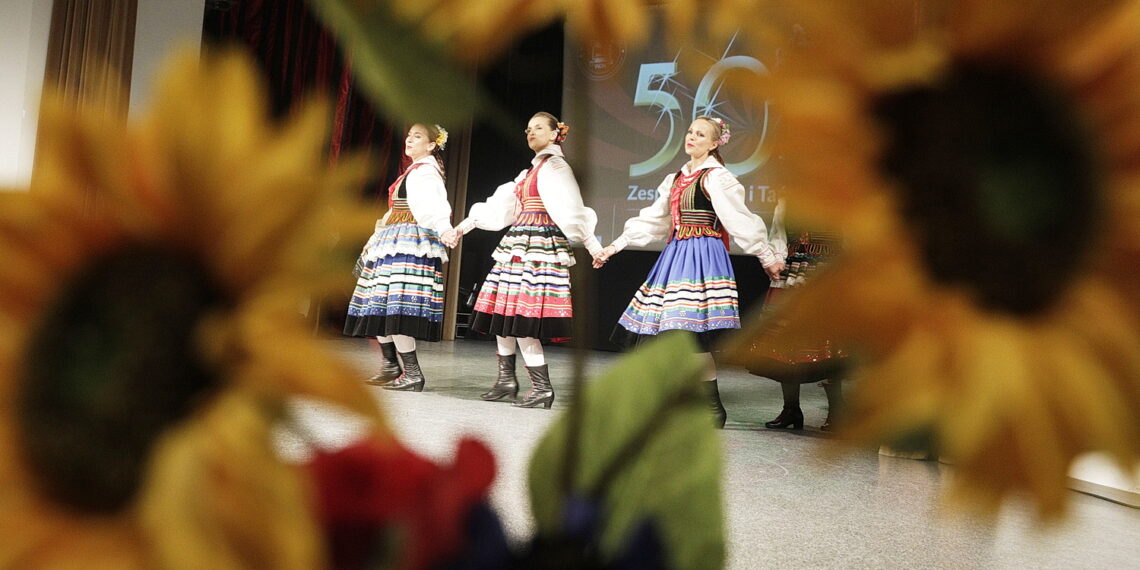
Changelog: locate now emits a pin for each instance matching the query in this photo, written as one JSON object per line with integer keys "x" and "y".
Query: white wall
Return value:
{"x": 23, "y": 51}
{"x": 162, "y": 27}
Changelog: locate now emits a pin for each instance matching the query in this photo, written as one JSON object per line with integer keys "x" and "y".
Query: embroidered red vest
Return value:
{"x": 533, "y": 211}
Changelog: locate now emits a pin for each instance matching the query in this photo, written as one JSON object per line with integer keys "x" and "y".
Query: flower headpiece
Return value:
{"x": 563, "y": 128}
{"x": 725, "y": 133}
{"x": 441, "y": 138}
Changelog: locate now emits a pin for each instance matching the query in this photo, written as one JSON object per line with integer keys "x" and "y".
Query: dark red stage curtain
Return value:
{"x": 299, "y": 58}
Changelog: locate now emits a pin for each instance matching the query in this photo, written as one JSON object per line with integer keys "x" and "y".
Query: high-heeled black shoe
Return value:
{"x": 390, "y": 368}
{"x": 789, "y": 417}
{"x": 413, "y": 378}
{"x": 541, "y": 393}
{"x": 507, "y": 384}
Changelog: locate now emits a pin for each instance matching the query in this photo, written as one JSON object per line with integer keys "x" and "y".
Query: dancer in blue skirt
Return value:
{"x": 399, "y": 293}
{"x": 692, "y": 286}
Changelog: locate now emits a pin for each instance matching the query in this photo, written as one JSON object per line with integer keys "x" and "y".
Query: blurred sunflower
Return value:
{"x": 428, "y": 43}
{"x": 476, "y": 31}
{"x": 149, "y": 337}
{"x": 982, "y": 160}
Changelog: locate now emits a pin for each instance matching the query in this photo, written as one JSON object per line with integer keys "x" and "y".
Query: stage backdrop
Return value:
{"x": 634, "y": 106}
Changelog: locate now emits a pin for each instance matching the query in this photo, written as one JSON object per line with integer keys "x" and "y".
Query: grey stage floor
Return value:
{"x": 787, "y": 504}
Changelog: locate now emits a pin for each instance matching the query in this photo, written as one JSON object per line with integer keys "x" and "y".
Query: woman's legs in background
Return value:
{"x": 834, "y": 390}
{"x": 791, "y": 416}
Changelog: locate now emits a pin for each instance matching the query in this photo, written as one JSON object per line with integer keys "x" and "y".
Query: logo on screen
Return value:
{"x": 676, "y": 104}
{"x": 601, "y": 61}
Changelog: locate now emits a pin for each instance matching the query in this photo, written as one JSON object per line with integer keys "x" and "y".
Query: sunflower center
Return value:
{"x": 998, "y": 181}
{"x": 112, "y": 367}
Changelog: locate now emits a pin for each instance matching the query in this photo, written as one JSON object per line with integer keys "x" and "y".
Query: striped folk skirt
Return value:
{"x": 400, "y": 288}
{"x": 527, "y": 292}
{"x": 691, "y": 287}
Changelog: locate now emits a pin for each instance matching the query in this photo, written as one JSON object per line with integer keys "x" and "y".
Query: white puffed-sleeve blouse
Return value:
{"x": 427, "y": 196}
{"x": 748, "y": 230}
{"x": 560, "y": 194}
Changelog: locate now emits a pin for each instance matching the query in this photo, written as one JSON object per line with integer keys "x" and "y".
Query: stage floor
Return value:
{"x": 788, "y": 503}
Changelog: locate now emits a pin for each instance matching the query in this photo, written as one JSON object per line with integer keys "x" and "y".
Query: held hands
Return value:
{"x": 450, "y": 238}
{"x": 603, "y": 256}
{"x": 774, "y": 270}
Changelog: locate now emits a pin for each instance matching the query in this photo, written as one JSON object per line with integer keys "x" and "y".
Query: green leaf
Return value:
{"x": 406, "y": 76}
{"x": 647, "y": 449}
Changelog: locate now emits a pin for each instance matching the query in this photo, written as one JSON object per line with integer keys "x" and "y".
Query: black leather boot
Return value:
{"x": 834, "y": 391}
{"x": 789, "y": 417}
{"x": 412, "y": 379}
{"x": 507, "y": 384}
{"x": 389, "y": 369}
{"x": 541, "y": 392}
{"x": 716, "y": 408}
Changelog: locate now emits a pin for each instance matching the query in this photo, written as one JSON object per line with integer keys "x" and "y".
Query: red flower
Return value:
{"x": 382, "y": 504}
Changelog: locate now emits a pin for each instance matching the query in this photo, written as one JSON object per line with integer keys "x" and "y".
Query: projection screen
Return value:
{"x": 631, "y": 109}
